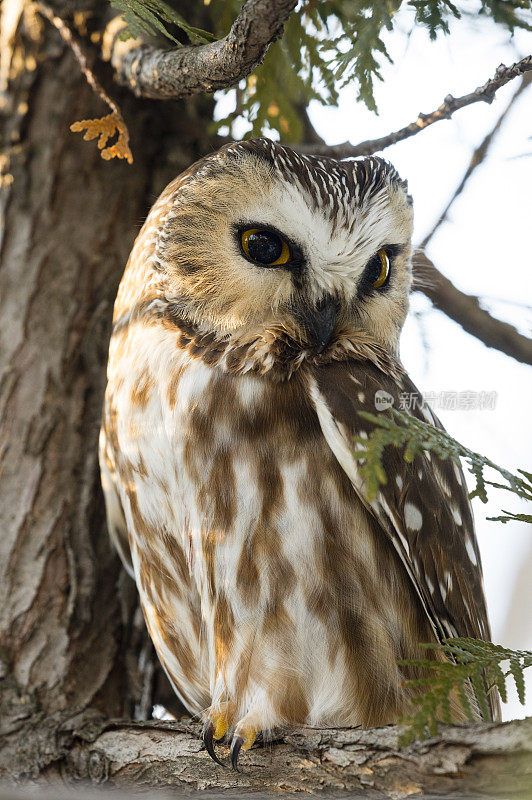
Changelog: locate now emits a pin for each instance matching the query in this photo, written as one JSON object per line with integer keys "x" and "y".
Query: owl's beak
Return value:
{"x": 318, "y": 321}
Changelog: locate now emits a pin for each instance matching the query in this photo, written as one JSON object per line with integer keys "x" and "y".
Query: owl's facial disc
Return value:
{"x": 315, "y": 310}
{"x": 265, "y": 239}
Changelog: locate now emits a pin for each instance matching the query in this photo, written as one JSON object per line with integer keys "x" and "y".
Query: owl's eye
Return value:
{"x": 265, "y": 247}
{"x": 380, "y": 269}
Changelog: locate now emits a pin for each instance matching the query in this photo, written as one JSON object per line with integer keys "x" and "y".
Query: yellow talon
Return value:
{"x": 221, "y": 716}
{"x": 221, "y": 726}
{"x": 249, "y": 738}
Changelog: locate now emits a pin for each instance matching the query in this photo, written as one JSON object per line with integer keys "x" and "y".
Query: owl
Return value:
{"x": 259, "y": 313}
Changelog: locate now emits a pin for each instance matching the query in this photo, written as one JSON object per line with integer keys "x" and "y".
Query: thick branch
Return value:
{"x": 151, "y": 72}
{"x": 486, "y": 93}
{"x": 477, "y": 760}
{"x": 466, "y": 310}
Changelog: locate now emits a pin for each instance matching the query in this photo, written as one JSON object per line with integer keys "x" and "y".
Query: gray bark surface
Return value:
{"x": 479, "y": 760}
{"x": 151, "y": 72}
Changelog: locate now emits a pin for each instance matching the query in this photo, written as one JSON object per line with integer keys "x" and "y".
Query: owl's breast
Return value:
{"x": 252, "y": 553}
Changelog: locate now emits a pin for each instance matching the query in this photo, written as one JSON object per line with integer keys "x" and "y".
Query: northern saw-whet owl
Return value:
{"x": 259, "y": 313}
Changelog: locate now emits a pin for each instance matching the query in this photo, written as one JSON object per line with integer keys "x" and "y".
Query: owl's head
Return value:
{"x": 260, "y": 237}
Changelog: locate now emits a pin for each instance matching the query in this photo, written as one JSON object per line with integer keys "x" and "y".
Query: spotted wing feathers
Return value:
{"x": 423, "y": 507}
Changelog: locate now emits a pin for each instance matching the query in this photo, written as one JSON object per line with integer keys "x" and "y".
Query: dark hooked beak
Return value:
{"x": 318, "y": 321}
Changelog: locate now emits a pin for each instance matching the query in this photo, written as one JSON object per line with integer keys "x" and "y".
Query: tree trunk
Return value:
{"x": 70, "y": 635}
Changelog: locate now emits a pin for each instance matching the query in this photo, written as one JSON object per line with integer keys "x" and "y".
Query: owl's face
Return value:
{"x": 260, "y": 236}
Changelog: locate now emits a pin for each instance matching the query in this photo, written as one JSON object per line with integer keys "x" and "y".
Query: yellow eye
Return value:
{"x": 382, "y": 255}
{"x": 265, "y": 247}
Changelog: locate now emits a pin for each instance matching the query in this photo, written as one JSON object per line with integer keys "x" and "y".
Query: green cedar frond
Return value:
{"x": 354, "y": 53}
{"x": 510, "y": 516}
{"x": 471, "y": 663}
{"x": 433, "y": 15}
{"x": 148, "y": 17}
{"x": 292, "y": 74}
{"x": 403, "y": 430}
{"x": 510, "y": 14}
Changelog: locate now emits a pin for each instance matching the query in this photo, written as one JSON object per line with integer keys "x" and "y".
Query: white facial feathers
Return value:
{"x": 336, "y": 249}
{"x": 336, "y": 215}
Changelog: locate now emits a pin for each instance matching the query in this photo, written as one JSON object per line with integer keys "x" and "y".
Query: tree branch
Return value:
{"x": 484, "y": 93}
{"x": 480, "y": 759}
{"x": 151, "y": 72}
{"x": 478, "y": 157}
{"x": 81, "y": 58}
{"x": 465, "y": 309}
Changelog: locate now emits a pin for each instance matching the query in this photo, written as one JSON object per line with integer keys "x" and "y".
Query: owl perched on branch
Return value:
{"x": 259, "y": 312}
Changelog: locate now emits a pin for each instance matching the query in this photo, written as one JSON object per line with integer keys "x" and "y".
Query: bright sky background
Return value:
{"x": 484, "y": 249}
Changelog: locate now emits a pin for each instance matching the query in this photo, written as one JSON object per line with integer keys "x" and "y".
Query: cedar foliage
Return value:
{"x": 325, "y": 46}
{"x": 151, "y": 17}
{"x": 105, "y": 129}
{"x": 415, "y": 436}
{"x": 473, "y": 667}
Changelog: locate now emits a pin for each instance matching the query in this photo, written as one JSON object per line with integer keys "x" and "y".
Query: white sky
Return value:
{"x": 484, "y": 248}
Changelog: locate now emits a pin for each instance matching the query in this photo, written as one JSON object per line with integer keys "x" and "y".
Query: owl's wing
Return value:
{"x": 116, "y": 521}
{"x": 423, "y": 508}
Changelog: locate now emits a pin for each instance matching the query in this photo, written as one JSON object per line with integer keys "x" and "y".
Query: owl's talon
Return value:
{"x": 242, "y": 740}
{"x": 236, "y": 746}
{"x": 208, "y": 741}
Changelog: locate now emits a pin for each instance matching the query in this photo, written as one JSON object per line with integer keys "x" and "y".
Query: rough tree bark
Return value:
{"x": 72, "y": 655}
{"x": 476, "y": 761}
{"x": 67, "y": 635}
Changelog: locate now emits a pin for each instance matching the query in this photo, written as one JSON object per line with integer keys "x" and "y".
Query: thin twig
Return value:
{"x": 484, "y": 93}
{"x": 478, "y": 157}
{"x": 466, "y": 310}
{"x": 107, "y": 128}
{"x": 152, "y": 72}
{"x": 67, "y": 36}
